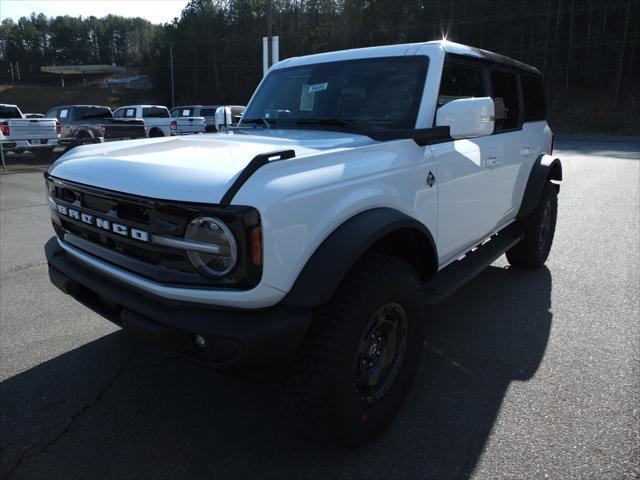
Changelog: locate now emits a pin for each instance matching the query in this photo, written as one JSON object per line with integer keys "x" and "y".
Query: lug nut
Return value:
{"x": 200, "y": 341}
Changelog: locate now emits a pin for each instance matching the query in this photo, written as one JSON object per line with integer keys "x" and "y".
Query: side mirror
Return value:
{"x": 467, "y": 117}
{"x": 223, "y": 118}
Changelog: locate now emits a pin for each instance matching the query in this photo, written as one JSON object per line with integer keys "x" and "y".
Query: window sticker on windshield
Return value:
{"x": 307, "y": 99}
{"x": 318, "y": 87}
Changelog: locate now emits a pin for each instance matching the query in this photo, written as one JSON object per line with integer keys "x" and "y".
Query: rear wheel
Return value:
{"x": 83, "y": 138}
{"x": 155, "y": 133}
{"x": 358, "y": 360}
{"x": 539, "y": 228}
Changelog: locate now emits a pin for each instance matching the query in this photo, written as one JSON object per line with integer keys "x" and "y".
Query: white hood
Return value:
{"x": 195, "y": 168}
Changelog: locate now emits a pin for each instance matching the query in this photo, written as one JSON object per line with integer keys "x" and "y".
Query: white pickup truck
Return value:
{"x": 234, "y": 114}
{"x": 159, "y": 122}
{"x": 18, "y": 133}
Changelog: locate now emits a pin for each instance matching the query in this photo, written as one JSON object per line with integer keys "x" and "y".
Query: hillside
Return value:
{"x": 39, "y": 99}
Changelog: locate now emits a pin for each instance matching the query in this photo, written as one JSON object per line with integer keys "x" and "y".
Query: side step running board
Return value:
{"x": 456, "y": 275}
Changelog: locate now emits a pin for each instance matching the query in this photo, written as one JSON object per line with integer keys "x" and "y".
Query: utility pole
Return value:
{"x": 11, "y": 68}
{"x": 173, "y": 95}
{"x": 269, "y": 35}
{"x": 18, "y": 70}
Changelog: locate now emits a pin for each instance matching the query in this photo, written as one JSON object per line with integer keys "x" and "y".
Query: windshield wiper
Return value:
{"x": 340, "y": 122}
{"x": 264, "y": 121}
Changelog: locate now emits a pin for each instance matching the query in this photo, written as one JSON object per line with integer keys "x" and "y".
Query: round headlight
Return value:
{"x": 215, "y": 253}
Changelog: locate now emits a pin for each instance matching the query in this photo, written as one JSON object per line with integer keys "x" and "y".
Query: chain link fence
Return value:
{"x": 15, "y": 157}
{"x": 21, "y": 153}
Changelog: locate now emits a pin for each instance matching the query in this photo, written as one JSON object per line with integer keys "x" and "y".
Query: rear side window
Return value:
{"x": 182, "y": 112}
{"x": 89, "y": 112}
{"x": 533, "y": 96}
{"x": 462, "y": 81}
{"x": 118, "y": 113}
{"x": 505, "y": 87}
{"x": 52, "y": 114}
{"x": 208, "y": 112}
{"x": 155, "y": 112}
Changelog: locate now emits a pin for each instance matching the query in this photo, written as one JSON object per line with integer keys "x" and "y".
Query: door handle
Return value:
{"x": 493, "y": 160}
{"x": 526, "y": 151}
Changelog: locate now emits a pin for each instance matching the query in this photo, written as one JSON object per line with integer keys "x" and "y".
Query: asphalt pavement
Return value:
{"x": 524, "y": 375}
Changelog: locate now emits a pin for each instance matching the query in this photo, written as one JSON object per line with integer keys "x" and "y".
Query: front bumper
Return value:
{"x": 250, "y": 343}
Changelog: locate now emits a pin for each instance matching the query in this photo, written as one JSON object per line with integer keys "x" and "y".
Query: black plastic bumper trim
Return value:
{"x": 255, "y": 344}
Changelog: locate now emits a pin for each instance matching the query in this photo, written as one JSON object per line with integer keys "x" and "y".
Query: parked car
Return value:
{"x": 209, "y": 114}
{"x": 309, "y": 243}
{"x": 86, "y": 124}
{"x": 33, "y": 115}
{"x": 159, "y": 121}
{"x": 18, "y": 133}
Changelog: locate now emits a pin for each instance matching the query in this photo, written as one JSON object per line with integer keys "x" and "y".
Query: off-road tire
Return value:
{"x": 83, "y": 138}
{"x": 539, "y": 228}
{"x": 320, "y": 386}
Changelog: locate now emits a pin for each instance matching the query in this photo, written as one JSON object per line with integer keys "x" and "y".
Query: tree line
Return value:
{"x": 579, "y": 45}
{"x": 40, "y": 41}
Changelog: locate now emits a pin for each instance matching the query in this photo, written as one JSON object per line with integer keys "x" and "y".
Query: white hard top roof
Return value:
{"x": 444, "y": 46}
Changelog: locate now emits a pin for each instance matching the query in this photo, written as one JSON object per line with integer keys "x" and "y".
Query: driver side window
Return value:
{"x": 460, "y": 80}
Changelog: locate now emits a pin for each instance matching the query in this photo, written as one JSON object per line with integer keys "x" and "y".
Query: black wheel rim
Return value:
{"x": 381, "y": 352}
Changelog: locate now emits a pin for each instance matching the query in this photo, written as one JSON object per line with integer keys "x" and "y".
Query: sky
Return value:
{"x": 156, "y": 11}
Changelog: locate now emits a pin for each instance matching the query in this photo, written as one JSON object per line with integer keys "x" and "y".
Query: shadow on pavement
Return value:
{"x": 118, "y": 409}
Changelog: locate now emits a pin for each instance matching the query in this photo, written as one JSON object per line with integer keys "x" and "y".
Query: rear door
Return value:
{"x": 514, "y": 152}
{"x": 209, "y": 114}
{"x": 536, "y": 133}
{"x": 158, "y": 117}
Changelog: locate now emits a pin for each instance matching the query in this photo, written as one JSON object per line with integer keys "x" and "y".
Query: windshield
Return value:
{"x": 363, "y": 93}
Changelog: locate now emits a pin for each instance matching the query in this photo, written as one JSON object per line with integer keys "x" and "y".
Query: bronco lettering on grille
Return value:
{"x": 103, "y": 223}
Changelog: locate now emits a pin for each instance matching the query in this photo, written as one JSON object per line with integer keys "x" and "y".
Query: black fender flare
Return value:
{"x": 335, "y": 256}
{"x": 545, "y": 168}
{"x": 84, "y": 133}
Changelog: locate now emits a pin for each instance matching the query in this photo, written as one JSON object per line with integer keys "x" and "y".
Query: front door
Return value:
{"x": 475, "y": 186}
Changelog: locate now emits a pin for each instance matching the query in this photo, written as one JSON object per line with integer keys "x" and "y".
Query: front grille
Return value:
{"x": 160, "y": 217}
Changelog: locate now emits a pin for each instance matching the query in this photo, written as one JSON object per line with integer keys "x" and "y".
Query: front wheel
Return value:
{"x": 539, "y": 229}
{"x": 356, "y": 365}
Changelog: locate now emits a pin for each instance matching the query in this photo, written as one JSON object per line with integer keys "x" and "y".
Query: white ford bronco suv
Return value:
{"x": 309, "y": 243}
